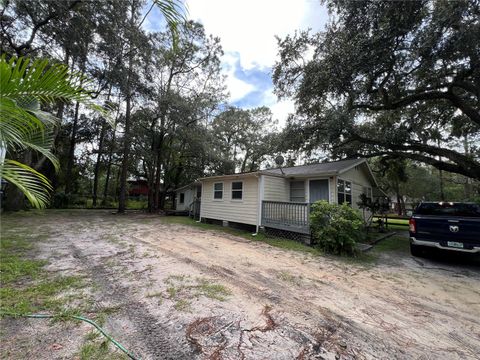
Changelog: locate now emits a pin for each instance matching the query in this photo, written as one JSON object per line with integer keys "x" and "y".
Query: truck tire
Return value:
{"x": 417, "y": 250}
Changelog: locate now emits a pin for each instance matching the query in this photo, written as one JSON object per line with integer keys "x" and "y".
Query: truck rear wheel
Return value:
{"x": 417, "y": 250}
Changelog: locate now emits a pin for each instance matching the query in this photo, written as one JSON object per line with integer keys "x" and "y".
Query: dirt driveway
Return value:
{"x": 180, "y": 292}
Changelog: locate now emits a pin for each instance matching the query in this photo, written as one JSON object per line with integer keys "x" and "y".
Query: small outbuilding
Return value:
{"x": 187, "y": 198}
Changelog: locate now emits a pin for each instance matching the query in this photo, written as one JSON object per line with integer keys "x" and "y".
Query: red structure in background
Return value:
{"x": 137, "y": 188}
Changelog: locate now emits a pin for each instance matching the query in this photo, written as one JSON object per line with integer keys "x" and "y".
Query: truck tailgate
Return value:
{"x": 443, "y": 228}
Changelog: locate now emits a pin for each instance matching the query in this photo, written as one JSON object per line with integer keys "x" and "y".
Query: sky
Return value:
{"x": 247, "y": 30}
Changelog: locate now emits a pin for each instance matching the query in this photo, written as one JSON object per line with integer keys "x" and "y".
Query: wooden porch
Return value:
{"x": 287, "y": 216}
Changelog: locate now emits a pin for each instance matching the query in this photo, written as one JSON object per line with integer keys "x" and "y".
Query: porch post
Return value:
{"x": 307, "y": 191}
{"x": 260, "y": 201}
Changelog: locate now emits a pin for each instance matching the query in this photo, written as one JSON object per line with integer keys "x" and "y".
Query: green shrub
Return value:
{"x": 335, "y": 228}
{"x": 60, "y": 200}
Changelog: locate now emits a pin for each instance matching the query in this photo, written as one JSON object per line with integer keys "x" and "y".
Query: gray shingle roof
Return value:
{"x": 315, "y": 169}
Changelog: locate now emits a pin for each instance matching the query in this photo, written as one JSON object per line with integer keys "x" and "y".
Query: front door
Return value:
{"x": 318, "y": 190}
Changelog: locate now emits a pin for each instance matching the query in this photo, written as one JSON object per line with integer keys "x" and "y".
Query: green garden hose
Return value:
{"x": 91, "y": 322}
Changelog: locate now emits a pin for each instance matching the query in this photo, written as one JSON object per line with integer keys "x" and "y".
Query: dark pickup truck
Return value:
{"x": 445, "y": 225}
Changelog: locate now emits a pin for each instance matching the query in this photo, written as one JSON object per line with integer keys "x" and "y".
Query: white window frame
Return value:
{"x": 232, "y": 190}
{"x": 344, "y": 192}
{"x": 305, "y": 197}
{"x": 223, "y": 191}
{"x": 369, "y": 192}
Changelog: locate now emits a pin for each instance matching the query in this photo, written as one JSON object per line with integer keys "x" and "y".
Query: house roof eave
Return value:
{"x": 231, "y": 176}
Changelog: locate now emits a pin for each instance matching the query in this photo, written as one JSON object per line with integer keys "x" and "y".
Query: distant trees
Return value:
{"x": 415, "y": 182}
{"x": 393, "y": 79}
{"x": 245, "y": 138}
{"x": 164, "y": 90}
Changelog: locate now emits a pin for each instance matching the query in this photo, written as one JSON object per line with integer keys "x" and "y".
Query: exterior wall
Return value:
{"x": 276, "y": 188}
{"x": 189, "y": 194}
{"x": 359, "y": 178}
{"x": 243, "y": 211}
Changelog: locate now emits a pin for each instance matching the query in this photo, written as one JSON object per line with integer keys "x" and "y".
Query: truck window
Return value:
{"x": 448, "y": 209}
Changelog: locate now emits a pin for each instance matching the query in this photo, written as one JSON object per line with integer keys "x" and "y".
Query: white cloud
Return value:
{"x": 249, "y": 26}
{"x": 247, "y": 30}
{"x": 237, "y": 88}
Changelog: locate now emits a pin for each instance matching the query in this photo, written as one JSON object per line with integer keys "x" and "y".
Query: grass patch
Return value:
{"x": 393, "y": 243}
{"x": 211, "y": 291}
{"x": 92, "y": 349}
{"x": 38, "y": 297}
{"x": 26, "y": 287}
{"x": 172, "y": 292}
{"x": 289, "y": 278}
{"x": 102, "y": 314}
{"x": 182, "y": 305}
{"x": 12, "y": 265}
{"x": 182, "y": 287}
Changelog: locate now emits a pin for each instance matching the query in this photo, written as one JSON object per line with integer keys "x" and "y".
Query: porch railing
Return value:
{"x": 288, "y": 216}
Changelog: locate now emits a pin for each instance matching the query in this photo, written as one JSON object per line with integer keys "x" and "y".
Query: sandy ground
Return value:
{"x": 282, "y": 304}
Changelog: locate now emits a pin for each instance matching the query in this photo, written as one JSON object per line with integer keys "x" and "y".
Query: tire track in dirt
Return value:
{"x": 150, "y": 338}
{"x": 381, "y": 328}
{"x": 318, "y": 316}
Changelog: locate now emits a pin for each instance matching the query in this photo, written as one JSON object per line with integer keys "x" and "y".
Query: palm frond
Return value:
{"x": 174, "y": 12}
{"x": 34, "y": 185}
{"x": 24, "y": 126}
{"x": 16, "y": 123}
{"x": 20, "y": 78}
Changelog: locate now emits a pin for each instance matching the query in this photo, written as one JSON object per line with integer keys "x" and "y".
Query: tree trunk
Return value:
{"x": 467, "y": 186}
{"x": 71, "y": 152}
{"x": 109, "y": 163}
{"x": 158, "y": 175}
{"x": 97, "y": 164}
{"x": 122, "y": 197}
{"x": 399, "y": 199}
{"x": 73, "y": 139}
{"x": 149, "y": 171}
{"x": 100, "y": 153}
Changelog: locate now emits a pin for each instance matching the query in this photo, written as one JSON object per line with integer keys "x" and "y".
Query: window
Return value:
{"x": 237, "y": 190}
{"x": 182, "y": 198}
{"x": 344, "y": 191}
{"x": 368, "y": 192}
{"x": 297, "y": 191}
{"x": 218, "y": 191}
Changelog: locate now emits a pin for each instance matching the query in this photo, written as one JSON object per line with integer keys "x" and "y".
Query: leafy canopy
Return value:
{"x": 391, "y": 78}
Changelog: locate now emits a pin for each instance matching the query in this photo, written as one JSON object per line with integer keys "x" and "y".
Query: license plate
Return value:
{"x": 455, "y": 244}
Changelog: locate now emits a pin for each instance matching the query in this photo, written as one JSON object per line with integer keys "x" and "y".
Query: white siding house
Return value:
{"x": 231, "y": 198}
{"x": 281, "y": 198}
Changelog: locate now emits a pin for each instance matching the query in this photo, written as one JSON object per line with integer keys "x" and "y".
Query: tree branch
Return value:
{"x": 37, "y": 26}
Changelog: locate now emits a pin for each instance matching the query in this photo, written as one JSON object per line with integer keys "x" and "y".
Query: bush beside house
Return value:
{"x": 335, "y": 228}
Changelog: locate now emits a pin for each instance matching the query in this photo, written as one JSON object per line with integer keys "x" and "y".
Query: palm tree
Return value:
{"x": 24, "y": 85}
